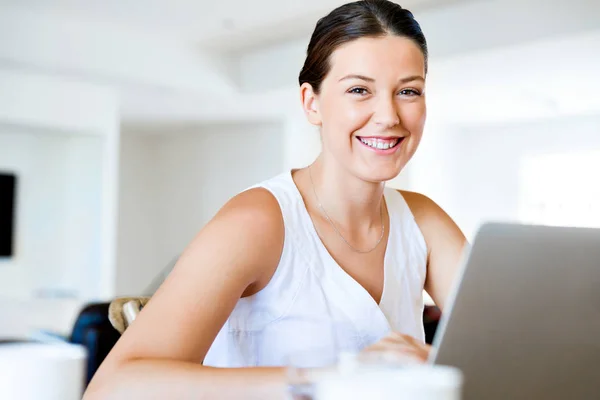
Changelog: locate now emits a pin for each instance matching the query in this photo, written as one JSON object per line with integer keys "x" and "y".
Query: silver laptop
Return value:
{"x": 523, "y": 321}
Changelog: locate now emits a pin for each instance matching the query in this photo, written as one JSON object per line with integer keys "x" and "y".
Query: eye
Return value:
{"x": 358, "y": 90}
{"x": 410, "y": 92}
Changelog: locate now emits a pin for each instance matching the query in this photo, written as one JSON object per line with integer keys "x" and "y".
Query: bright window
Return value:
{"x": 561, "y": 189}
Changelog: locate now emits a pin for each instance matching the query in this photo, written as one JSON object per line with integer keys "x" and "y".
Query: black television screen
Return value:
{"x": 7, "y": 213}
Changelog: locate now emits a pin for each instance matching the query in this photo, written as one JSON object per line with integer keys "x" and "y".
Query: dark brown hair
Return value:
{"x": 367, "y": 18}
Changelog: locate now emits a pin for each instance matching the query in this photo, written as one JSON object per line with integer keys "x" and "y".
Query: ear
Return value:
{"x": 310, "y": 104}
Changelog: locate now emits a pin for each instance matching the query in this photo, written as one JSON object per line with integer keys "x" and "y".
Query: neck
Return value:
{"x": 351, "y": 202}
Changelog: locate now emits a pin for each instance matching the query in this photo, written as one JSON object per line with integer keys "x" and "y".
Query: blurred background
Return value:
{"x": 125, "y": 125}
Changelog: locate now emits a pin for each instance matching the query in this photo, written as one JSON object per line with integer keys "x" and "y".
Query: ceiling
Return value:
{"x": 149, "y": 50}
{"x": 233, "y": 24}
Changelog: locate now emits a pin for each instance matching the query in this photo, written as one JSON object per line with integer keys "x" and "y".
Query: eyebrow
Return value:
{"x": 354, "y": 76}
{"x": 367, "y": 79}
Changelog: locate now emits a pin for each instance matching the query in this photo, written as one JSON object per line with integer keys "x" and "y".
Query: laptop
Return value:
{"x": 523, "y": 319}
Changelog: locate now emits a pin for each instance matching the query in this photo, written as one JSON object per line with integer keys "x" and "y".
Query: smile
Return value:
{"x": 380, "y": 143}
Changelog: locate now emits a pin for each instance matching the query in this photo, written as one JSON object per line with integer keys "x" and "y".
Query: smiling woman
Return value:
{"x": 373, "y": 88}
{"x": 326, "y": 245}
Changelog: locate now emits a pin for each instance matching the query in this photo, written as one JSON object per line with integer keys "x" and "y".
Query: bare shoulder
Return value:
{"x": 253, "y": 205}
{"x": 425, "y": 210}
{"x": 433, "y": 221}
{"x": 251, "y": 223}
{"x": 255, "y": 216}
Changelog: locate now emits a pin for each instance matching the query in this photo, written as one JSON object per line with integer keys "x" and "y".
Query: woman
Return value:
{"x": 324, "y": 243}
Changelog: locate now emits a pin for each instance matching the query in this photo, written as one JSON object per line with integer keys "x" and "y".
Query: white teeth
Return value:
{"x": 380, "y": 144}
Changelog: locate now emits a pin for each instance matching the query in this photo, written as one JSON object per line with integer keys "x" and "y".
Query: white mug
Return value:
{"x": 42, "y": 371}
{"x": 423, "y": 382}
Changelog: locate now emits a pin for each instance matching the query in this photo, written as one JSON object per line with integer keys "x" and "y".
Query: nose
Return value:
{"x": 386, "y": 114}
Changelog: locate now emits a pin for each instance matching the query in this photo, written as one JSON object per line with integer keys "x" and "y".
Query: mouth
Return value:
{"x": 381, "y": 144}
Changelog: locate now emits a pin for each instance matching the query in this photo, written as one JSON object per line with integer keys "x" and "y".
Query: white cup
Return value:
{"x": 426, "y": 382}
{"x": 41, "y": 371}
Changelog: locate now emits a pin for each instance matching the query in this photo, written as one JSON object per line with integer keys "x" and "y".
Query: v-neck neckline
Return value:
{"x": 334, "y": 266}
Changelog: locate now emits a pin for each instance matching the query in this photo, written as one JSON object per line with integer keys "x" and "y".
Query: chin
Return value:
{"x": 380, "y": 174}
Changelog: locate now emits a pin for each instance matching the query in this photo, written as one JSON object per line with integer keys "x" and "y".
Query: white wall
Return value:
{"x": 55, "y": 102}
{"x": 84, "y": 202}
{"x": 138, "y": 226}
{"x": 173, "y": 182}
{"x": 88, "y": 113}
{"x": 38, "y": 162}
{"x": 58, "y": 212}
{"x": 302, "y": 141}
{"x": 481, "y": 166}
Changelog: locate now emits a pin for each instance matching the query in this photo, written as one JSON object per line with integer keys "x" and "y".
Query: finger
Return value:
{"x": 400, "y": 349}
{"x": 404, "y": 338}
{"x": 400, "y": 337}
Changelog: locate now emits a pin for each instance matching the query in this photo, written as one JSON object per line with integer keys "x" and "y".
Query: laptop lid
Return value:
{"x": 523, "y": 321}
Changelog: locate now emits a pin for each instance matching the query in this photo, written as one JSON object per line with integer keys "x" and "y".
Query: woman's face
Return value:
{"x": 371, "y": 107}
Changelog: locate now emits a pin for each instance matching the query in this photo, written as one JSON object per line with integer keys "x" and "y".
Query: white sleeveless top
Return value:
{"x": 311, "y": 301}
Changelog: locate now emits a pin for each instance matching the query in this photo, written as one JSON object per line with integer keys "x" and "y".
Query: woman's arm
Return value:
{"x": 445, "y": 245}
{"x": 159, "y": 356}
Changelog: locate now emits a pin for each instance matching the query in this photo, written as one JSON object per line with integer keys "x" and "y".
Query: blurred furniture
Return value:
{"x": 99, "y": 326}
{"x": 123, "y": 311}
{"x": 431, "y": 319}
{"x": 93, "y": 330}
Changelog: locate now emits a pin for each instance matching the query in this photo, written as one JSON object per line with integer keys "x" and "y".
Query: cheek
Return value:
{"x": 415, "y": 140}
{"x": 345, "y": 117}
{"x": 413, "y": 118}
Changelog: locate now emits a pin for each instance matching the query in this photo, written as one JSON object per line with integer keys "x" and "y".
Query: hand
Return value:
{"x": 401, "y": 345}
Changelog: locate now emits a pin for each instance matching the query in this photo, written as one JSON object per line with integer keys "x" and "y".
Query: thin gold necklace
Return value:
{"x": 335, "y": 227}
